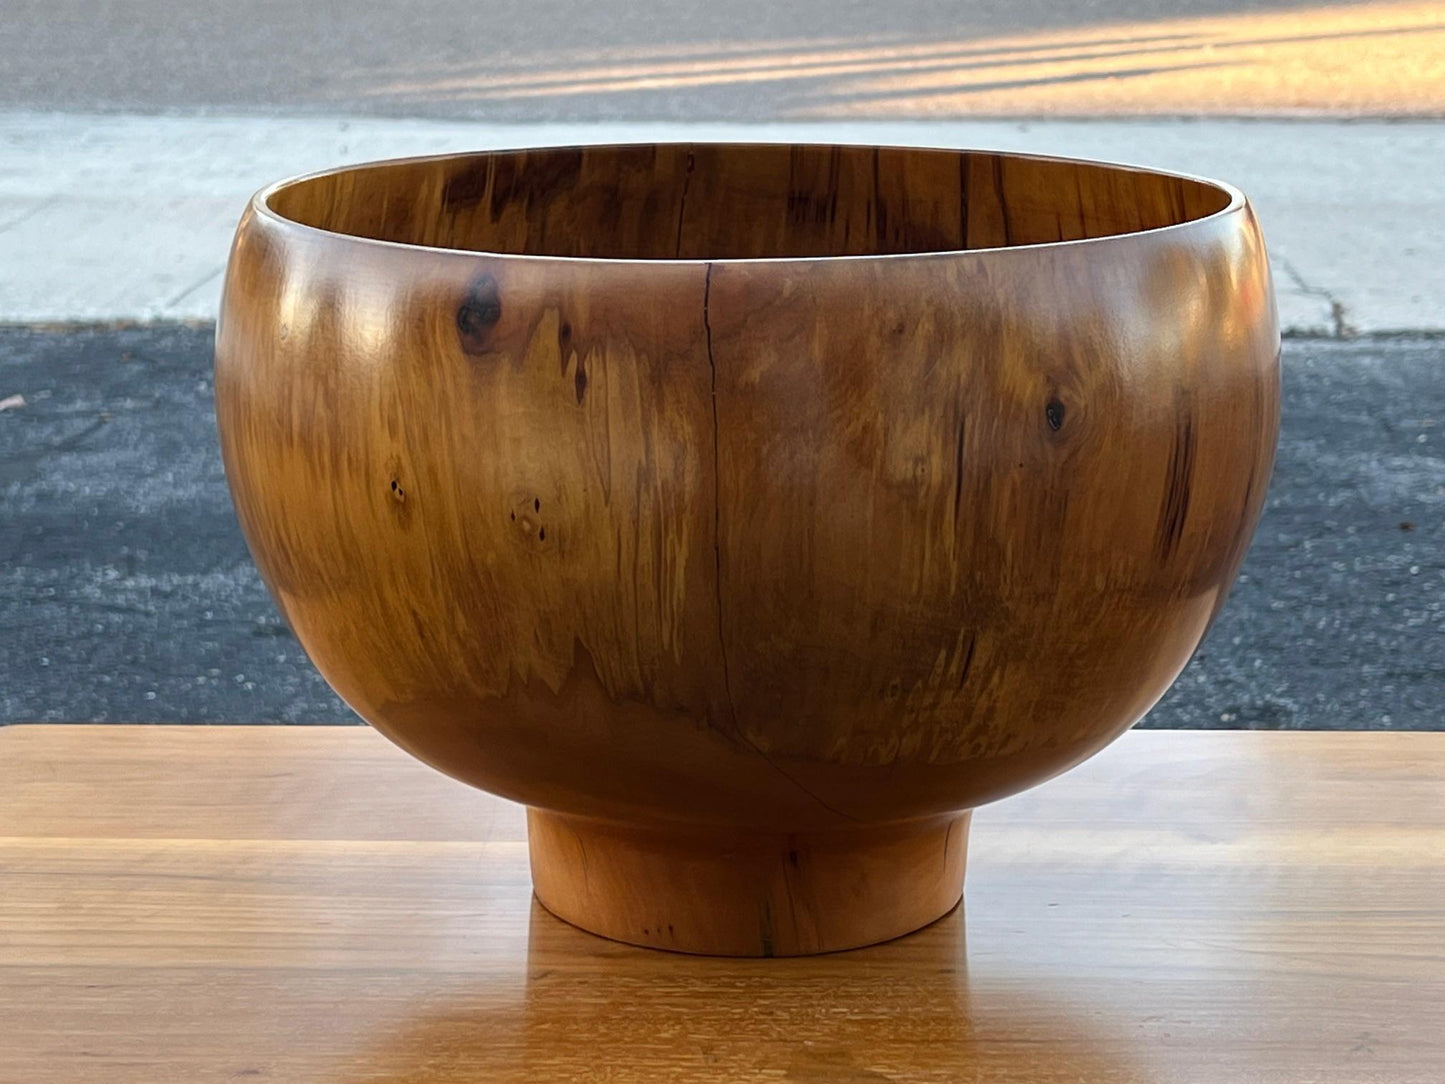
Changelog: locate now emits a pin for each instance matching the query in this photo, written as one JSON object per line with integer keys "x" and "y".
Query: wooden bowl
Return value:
{"x": 749, "y": 512}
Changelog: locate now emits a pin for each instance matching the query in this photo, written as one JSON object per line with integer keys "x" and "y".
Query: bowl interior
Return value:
{"x": 739, "y": 201}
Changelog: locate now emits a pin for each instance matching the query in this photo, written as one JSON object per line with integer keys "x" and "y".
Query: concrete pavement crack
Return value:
{"x": 189, "y": 290}
{"x": 25, "y": 216}
{"x": 1341, "y": 327}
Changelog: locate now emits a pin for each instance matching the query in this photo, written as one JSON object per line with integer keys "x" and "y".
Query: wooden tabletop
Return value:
{"x": 310, "y": 904}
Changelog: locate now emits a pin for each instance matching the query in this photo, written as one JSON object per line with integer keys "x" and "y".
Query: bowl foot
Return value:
{"x": 725, "y": 892}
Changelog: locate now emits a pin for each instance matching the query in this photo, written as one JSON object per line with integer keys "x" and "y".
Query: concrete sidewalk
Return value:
{"x": 120, "y": 218}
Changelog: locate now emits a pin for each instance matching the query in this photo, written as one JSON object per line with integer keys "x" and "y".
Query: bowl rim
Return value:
{"x": 260, "y": 205}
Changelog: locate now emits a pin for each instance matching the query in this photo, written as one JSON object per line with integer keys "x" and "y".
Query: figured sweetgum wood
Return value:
{"x": 598, "y": 479}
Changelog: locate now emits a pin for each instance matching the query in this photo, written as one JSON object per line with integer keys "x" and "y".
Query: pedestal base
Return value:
{"x": 729, "y": 893}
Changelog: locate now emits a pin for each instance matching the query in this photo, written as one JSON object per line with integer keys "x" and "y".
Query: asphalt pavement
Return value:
{"x": 127, "y": 594}
{"x": 744, "y": 60}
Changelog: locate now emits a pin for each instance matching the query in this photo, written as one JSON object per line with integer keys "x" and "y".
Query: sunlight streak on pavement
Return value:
{"x": 1362, "y": 59}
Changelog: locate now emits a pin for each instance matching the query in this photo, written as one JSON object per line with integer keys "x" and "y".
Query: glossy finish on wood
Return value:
{"x": 295, "y": 904}
{"x": 642, "y": 503}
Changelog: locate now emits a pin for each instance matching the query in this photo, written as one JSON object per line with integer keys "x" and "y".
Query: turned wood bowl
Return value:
{"x": 749, "y": 512}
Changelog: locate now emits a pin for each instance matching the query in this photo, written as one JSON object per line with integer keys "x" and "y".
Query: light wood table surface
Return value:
{"x": 309, "y": 904}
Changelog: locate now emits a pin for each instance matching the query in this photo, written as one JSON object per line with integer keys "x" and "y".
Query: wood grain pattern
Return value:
{"x": 745, "y": 893}
{"x": 601, "y": 480}
{"x": 740, "y": 201}
{"x": 1186, "y": 907}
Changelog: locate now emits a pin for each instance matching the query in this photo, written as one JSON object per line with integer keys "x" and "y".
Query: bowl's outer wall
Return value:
{"x": 764, "y": 543}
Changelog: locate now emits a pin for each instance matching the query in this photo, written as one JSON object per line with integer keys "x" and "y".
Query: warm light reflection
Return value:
{"x": 369, "y": 304}
{"x": 297, "y": 308}
{"x": 1363, "y": 58}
